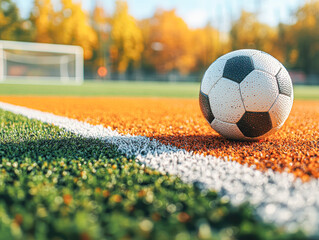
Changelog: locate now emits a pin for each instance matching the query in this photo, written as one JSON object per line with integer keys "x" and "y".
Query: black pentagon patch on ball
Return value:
{"x": 284, "y": 83}
{"x": 237, "y": 68}
{"x": 255, "y": 124}
{"x": 205, "y": 107}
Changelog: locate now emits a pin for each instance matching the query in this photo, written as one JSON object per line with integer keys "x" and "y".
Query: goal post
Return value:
{"x": 43, "y": 63}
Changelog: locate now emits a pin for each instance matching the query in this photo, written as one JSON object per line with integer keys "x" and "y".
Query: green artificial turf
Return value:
{"x": 306, "y": 92}
{"x": 106, "y": 88}
{"x": 55, "y": 185}
{"x": 129, "y": 88}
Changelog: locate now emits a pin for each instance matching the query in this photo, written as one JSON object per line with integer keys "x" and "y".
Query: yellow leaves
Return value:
{"x": 307, "y": 15}
{"x": 293, "y": 56}
{"x": 305, "y": 34}
{"x": 127, "y": 39}
{"x": 169, "y": 42}
{"x": 185, "y": 63}
{"x": 43, "y": 15}
{"x": 164, "y": 43}
{"x": 11, "y": 24}
{"x": 70, "y": 25}
{"x": 311, "y": 21}
{"x": 248, "y": 32}
{"x": 3, "y": 20}
{"x": 170, "y": 45}
{"x": 99, "y": 16}
{"x": 76, "y": 29}
{"x": 208, "y": 46}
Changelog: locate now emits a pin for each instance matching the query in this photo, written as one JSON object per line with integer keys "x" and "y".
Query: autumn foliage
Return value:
{"x": 127, "y": 39}
{"x": 168, "y": 42}
{"x": 70, "y": 25}
{"x": 163, "y": 43}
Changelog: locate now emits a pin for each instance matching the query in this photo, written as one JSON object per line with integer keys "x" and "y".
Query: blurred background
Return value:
{"x": 169, "y": 40}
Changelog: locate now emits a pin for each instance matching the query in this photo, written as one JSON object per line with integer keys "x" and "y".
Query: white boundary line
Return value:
{"x": 277, "y": 197}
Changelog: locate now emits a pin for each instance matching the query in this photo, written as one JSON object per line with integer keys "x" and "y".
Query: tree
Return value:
{"x": 72, "y": 27}
{"x": 306, "y": 35}
{"x": 126, "y": 38}
{"x": 248, "y": 32}
{"x": 101, "y": 24}
{"x": 286, "y": 42}
{"x": 169, "y": 43}
{"x": 12, "y": 27}
{"x": 207, "y": 46}
{"x": 43, "y": 19}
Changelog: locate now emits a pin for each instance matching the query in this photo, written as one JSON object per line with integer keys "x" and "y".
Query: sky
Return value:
{"x": 197, "y": 13}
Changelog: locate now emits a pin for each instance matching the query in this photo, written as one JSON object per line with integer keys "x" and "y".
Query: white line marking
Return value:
{"x": 277, "y": 197}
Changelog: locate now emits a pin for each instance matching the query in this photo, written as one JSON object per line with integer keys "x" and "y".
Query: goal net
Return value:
{"x": 24, "y": 62}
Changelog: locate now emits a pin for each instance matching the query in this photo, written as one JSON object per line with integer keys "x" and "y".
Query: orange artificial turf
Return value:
{"x": 294, "y": 148}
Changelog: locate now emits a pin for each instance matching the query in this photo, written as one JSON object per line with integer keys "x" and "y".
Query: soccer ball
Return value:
{"x": 246, "y": 95}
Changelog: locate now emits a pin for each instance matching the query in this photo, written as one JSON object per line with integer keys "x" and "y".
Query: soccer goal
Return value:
{"x": 40, "y": 63}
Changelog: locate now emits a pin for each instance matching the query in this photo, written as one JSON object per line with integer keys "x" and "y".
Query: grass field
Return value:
{"x": 58, "y": 185}
{"x": 126, "y": 88}
{"x": 108, "y": 88}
